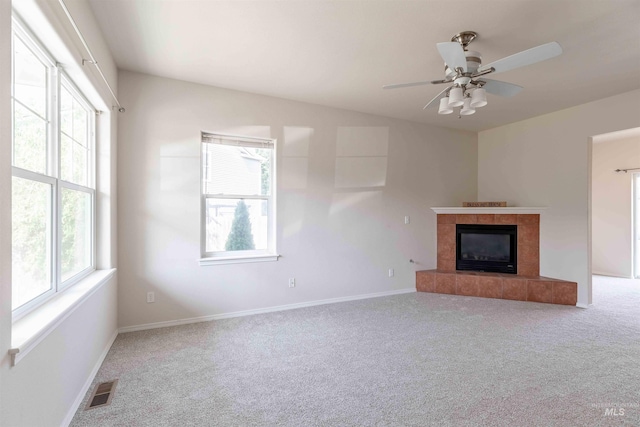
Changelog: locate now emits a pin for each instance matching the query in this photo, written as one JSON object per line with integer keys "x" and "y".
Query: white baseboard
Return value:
{"x": 261, "y": 310}
{"x": 604, "y": 274}
{"x": 76, "y": 404}
{"x": 581, "y": 305}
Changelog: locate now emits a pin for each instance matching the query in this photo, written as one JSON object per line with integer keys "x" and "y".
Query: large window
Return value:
{"x": 237, "y": 197}
{"x": 53, "y": 192}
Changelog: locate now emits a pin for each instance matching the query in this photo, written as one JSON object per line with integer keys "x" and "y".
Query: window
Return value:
{"x": 238, "y": 201}
{"x": 53, "y": 192}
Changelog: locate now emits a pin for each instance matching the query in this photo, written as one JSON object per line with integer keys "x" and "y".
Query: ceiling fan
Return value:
{"x": 465, "y": 73}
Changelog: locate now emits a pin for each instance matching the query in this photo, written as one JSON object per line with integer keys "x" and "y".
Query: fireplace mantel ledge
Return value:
{"x": 505, "y": 211}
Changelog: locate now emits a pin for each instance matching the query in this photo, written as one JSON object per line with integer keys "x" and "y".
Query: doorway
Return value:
{"x": 615, "y": 204}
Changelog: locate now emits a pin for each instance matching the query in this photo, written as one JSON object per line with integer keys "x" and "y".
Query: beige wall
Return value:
{"x": 43, "y": 388}
{"x": 545, "y": 161}
{"x": 612, "y": 205}
{"x": 340, "y": 218}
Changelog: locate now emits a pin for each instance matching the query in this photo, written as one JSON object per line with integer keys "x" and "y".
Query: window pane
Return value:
{"x": 80, "y": 123}
{"x": 74, "y": 126}
{"x": 73, "y": 161}
{"x": 66, "y": 111}
{"x": 76, "y": 232}
{"x": 236, "y": 170}
{"x": 31, "y": 240}
{"x": 236, "y": 225}
{"x": 29, "y": 140}
{"x": 30, "y": 78}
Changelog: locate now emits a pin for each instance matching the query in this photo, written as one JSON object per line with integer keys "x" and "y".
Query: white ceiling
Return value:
{"x": 340, "y": 53}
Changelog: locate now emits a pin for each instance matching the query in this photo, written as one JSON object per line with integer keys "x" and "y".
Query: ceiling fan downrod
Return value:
{"x": 465, "y": 38}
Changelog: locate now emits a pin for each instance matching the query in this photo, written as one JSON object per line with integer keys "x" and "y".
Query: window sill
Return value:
{"x": 28, "y": 331}
{"x": 237, "y": 260}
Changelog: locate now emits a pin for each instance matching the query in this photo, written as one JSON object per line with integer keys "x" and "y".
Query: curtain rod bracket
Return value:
{"x": 88, "y": 61}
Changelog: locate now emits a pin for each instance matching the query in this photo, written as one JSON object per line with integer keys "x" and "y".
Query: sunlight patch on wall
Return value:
{"x": 294, "y": 207}
{"x": 361, "y": 172}
{"x": 297, "y": 141}
{"x": 295, "y": 157}
{"x": 293, "y": 173}
{"x": 361, "y": 157}
{"x": 362, "y": 141}
{"x": 348, "y": 201}
{"x": 179, "y": 174}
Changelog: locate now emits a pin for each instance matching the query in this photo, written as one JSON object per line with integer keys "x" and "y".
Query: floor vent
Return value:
{"x": 102, "y": 395}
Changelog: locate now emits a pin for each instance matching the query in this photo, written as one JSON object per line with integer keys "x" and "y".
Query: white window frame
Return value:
{"x": 232, "y": 257}
{"x": 57, "y": 78}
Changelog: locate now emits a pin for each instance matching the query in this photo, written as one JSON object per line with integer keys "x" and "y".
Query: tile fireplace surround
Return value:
{"x": 527, "y": 285}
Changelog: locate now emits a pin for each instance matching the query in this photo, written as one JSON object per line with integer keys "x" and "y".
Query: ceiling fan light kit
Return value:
{"x": 444, "y": 106}
{"x": 479, "y": 98}
{"x": 466, "y": 109}
{"x": 465, "y": 72}
{"x": 456, "y": 97}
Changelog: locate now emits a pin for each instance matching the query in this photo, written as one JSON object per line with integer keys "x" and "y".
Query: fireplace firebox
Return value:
{"x": 487, "y": 247}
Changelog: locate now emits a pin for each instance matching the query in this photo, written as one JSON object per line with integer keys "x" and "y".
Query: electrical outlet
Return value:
{"x": 391, "y": 272}
{"x": 407, "y": 219}
{"x": 292, "y": 282}
{"x": 151, "y": 297}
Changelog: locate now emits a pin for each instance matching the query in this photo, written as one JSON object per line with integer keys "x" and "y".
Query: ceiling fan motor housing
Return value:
{"x": 474, "y": 60}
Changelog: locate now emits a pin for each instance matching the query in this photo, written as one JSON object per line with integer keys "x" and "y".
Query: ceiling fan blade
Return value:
{"x": 499, "y": 88}
{"x": 453, "y": 55}
{"x": 436, "y": 98}
{"x": 437, "y": 82}
{"x": 526, "y": 57}
{"x": 399, "y": 85}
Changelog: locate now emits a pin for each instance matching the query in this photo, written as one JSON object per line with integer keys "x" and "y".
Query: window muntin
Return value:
{"x": 53, "y": 205}
{"x": 237, "y": 196}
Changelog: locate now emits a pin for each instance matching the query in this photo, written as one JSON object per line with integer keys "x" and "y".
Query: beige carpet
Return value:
{"x": 408, "y": 360}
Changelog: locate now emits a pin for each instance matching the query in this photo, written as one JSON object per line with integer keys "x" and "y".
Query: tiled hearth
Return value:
{"x": 527, "y": 285}
{"x": 497, "y": 285}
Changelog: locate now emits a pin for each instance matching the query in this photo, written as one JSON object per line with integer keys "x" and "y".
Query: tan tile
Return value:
{"x": 507, "y": 219}
{"x": 485, "y": 219}
{"x": 528, "y": 270}
{"x": 425, "y": 281}
{"x": 446, "y": 219}
{"x": 514, "y": 289}
{"x": 539, "y": 291}
{"x": 489, "y": 286}
{"x": 466, "y": 219}
{"x": 564, "y": 292}
{"x": 529, "y": 255}
{"x": 531, "y": 219}
{"x": 447, "y": 241}
{"x": 467, "y": 284}
{"x": 446, "y": 264}
{"x": 529, "y": 235}
{"x": 445, "y": 283}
